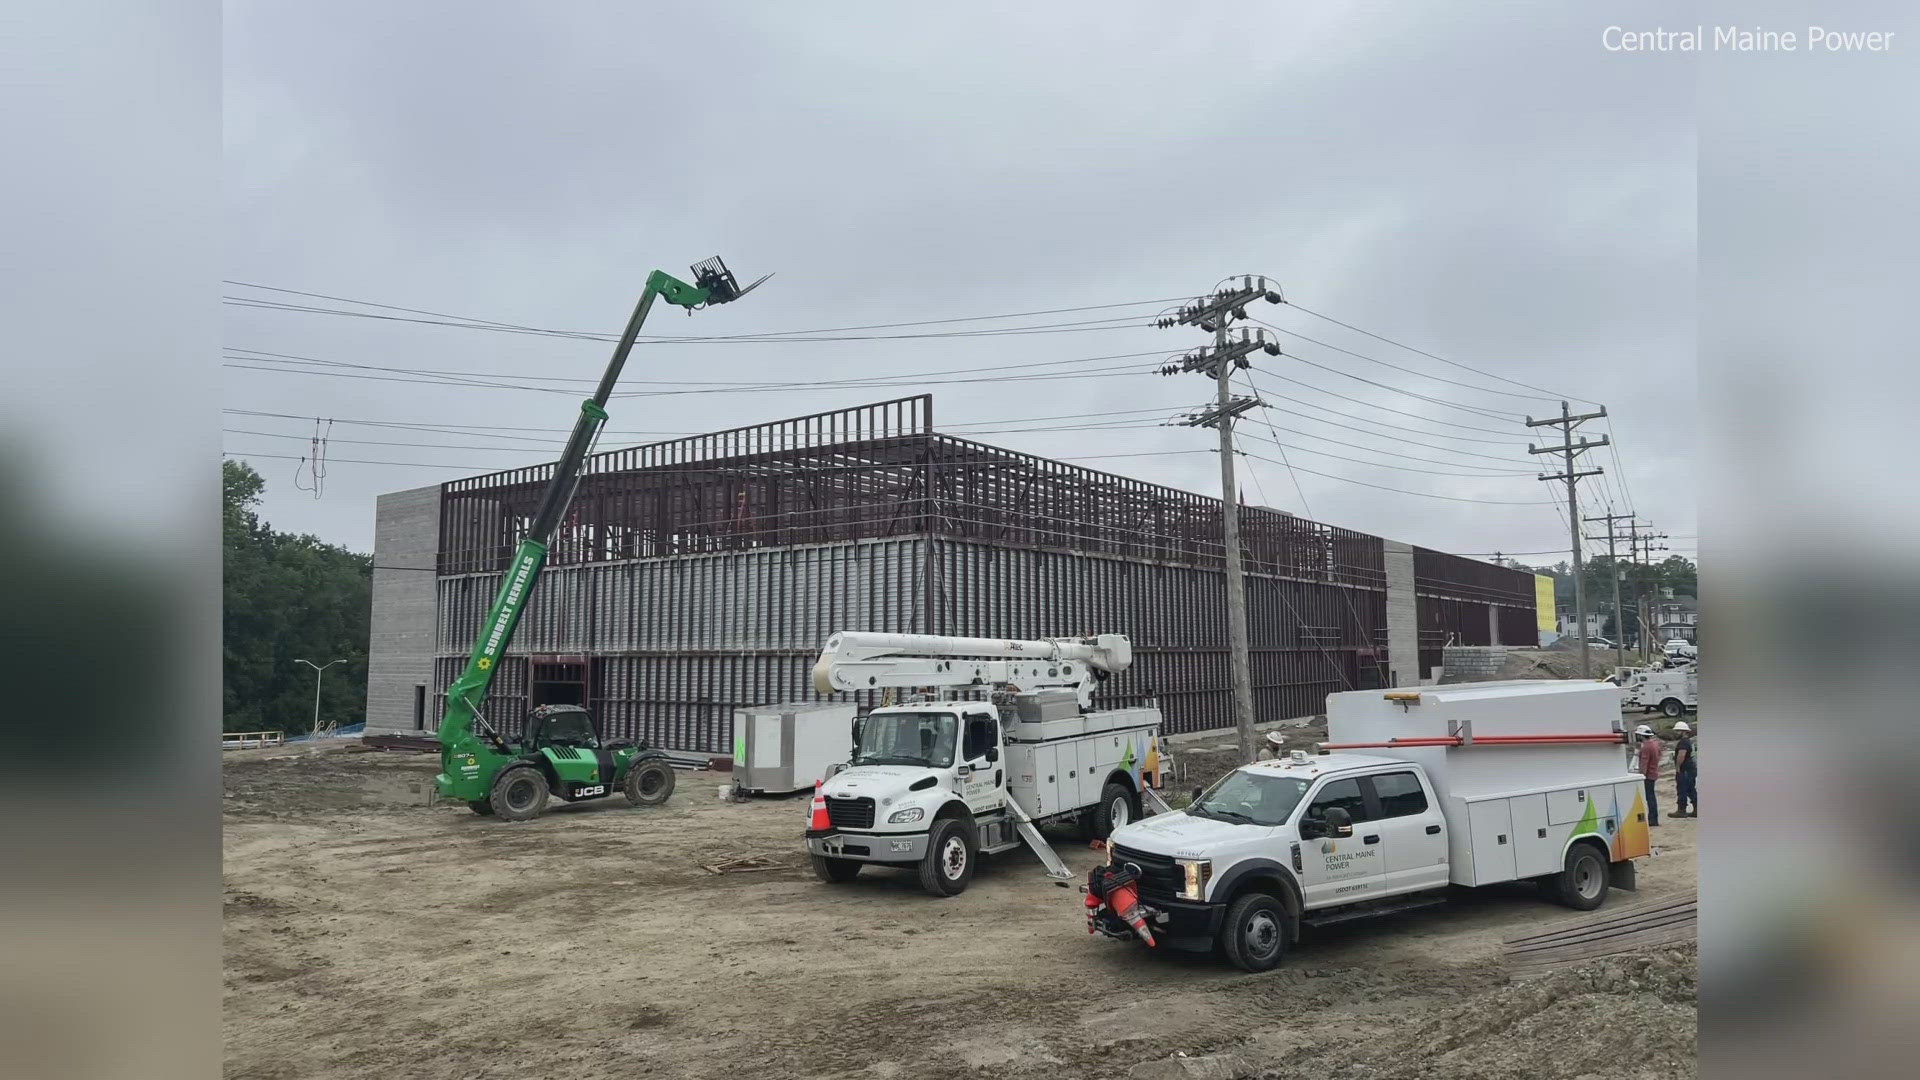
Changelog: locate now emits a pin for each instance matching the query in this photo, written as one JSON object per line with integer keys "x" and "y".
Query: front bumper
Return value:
{"x": 1180, "y": 924}
{"x": 867, "y": 847}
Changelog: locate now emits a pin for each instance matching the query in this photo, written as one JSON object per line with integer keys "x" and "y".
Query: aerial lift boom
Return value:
{"x": 479, "y": 767}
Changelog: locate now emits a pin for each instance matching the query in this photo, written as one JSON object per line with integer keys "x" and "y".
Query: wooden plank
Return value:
{"x": 1614, "y": 915}
{"x": 1617, "y": 947}
{"x": 1598, "y": 932}
{"x": 1546, "y": 961}
{"x": 1631, "y": 914}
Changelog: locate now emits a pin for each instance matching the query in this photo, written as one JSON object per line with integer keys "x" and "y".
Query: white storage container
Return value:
{"x": 784, "y": 748}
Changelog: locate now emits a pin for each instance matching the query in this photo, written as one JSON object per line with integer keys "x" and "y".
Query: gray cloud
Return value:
{"x": 1503, "y": 193}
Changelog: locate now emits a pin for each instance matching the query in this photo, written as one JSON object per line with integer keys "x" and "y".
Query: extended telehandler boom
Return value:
{"x": 559, "y": 753}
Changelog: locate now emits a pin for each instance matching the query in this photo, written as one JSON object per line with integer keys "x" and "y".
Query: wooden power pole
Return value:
{"x": 1568, "y": 450}
{"x": 1213, "y": 312}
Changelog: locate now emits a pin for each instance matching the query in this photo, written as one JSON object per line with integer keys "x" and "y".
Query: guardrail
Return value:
{"x": 250, "y": 740}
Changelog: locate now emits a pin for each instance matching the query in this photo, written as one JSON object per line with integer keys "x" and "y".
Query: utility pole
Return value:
{"x": 1569, "y": 449}
{"x": 1613, "y": 569}
{"x": 1212, "y": 313}
{"x": 318, "y": 671}
{"x": 1647, "y": 548}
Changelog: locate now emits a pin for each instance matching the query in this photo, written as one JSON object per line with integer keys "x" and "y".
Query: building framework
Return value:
{"x": 700, "y": 575}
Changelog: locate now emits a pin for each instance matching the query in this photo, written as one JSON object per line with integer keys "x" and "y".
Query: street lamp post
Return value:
{"x": 318, "y": 670}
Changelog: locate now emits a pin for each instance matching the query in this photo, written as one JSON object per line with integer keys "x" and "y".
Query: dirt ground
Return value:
{"x": 369, "y": 933}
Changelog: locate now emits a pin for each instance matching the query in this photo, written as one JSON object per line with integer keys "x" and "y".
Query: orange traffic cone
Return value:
{"x": 818, "y": 821}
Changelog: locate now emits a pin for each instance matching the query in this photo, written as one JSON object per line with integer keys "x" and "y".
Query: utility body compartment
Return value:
{"x": 1511, "y": 809}
{"x": 1060, "y": 765}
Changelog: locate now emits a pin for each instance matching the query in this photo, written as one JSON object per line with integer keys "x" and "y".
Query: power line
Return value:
{"x": 1403, "y": 491}
{"x": 899, "y": 381}
{"x": 1072, "y": 327}
{"x": 1486, "y": 474}
{"x": 785, "y": 333}
{"x": 1379, "y": 337}
{"x": 1410, "y": 371}
{"x": 1382, "y": 408}
{"x": 265, "y": 356}
{"x": 1491, "y": 414}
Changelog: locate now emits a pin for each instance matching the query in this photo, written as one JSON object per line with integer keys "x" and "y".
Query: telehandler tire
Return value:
{"x": 1582, "y": 886}
{"x": 947, "y": 866}
{"x": 519, "y": 793}
{"x": 481, "y": 807}
{"x": 649, "y": 783}
{"x": 834, "y": 871}
{"x": 1254, "y": 932}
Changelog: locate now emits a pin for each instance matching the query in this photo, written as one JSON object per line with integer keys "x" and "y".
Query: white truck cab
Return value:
{"x": 1464, "y": 785}
{"x": 934, "y": 783}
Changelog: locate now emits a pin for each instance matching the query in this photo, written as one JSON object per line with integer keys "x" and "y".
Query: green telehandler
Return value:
{"x": 560, "y": 753}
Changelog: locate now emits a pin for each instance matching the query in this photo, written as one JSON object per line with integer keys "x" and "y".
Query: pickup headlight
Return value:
{"x": 1198, "y": 872}
{"x": 907, "y": 816}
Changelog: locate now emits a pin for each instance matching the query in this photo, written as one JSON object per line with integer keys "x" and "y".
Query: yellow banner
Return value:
{"x": 1543, "y": 603}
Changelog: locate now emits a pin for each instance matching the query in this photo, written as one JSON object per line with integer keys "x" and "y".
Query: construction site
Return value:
{"x": 695, "y": 577}
{"x": 363, "y": 925}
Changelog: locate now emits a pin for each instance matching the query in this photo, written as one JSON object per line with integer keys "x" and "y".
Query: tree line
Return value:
{"x": 288, "y": 598}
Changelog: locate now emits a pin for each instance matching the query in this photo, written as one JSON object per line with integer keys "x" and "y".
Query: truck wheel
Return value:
{"x": 519, "y": 793}
{"x": 1672, "y": 707}
{"x": 1254, "y": 933}
{"x": 1115, "y": 810}
{"x": 649, "y": 783}
{"x": 1582, "y": 886}
{"x": 948, "y": 864}
{"x": 481, "y": 807}
{"x": 835, "y": 871}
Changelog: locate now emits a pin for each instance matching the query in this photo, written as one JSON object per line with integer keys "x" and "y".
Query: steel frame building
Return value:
{"x": 699, "y": 575}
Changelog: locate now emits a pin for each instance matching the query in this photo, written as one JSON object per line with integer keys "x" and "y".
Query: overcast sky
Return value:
{"x": 1493, "y": 189}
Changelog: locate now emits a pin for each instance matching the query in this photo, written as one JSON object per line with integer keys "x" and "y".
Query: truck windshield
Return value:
{"x": 1250, "y": 798}
{"x": 918, "y": 738}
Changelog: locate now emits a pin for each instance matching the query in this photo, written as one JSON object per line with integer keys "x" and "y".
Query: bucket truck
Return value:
{"x": 937, "y": 781}
{"x": 560, "y": 752}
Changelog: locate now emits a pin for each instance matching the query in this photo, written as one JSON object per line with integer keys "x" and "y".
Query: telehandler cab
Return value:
{"x": 560, "y": 754}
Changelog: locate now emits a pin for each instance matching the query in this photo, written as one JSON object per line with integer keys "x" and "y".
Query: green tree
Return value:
{"x": 286, "y": 598}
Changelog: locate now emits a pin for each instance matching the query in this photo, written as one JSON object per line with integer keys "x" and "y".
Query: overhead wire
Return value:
{"x": 785, "y": 333}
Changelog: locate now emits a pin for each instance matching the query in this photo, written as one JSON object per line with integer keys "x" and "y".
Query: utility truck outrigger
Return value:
{"x": 560, "y": 752}
{"x": 935, "y": 783}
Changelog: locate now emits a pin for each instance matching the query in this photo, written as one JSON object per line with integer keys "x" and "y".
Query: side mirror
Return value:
{"x": 1339, "y": 822}
{"x": 1312, "y": 828}
{"x": 992, "y": 754}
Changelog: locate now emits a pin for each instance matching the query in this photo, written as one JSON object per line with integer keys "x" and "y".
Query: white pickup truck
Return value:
{"x": 1464, "y": 785}
{"x": 935, "y": 783}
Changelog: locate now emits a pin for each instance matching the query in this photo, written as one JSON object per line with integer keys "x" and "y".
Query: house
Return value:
{"x": 1674, "y": 617}
{"x": 1570, "y": 625}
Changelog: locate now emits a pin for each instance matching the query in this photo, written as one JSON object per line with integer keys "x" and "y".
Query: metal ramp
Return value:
{"x": 1153, "y": 802}
{"x": 1056, "y": 870}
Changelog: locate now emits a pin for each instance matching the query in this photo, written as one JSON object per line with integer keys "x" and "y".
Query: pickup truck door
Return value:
{"x": 1337, "y": 870}
{"x": 1408, "y": 821}
{"x": 983, "y": 782}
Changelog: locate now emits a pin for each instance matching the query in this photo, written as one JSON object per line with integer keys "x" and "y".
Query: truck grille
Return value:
{"x": 851, "y": 813}
{"x": 1159, "y": 875}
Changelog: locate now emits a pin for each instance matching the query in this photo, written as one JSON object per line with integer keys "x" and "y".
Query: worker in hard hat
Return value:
{"x": 1686, "y": 772}
{"x": 1648, "y": 765}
